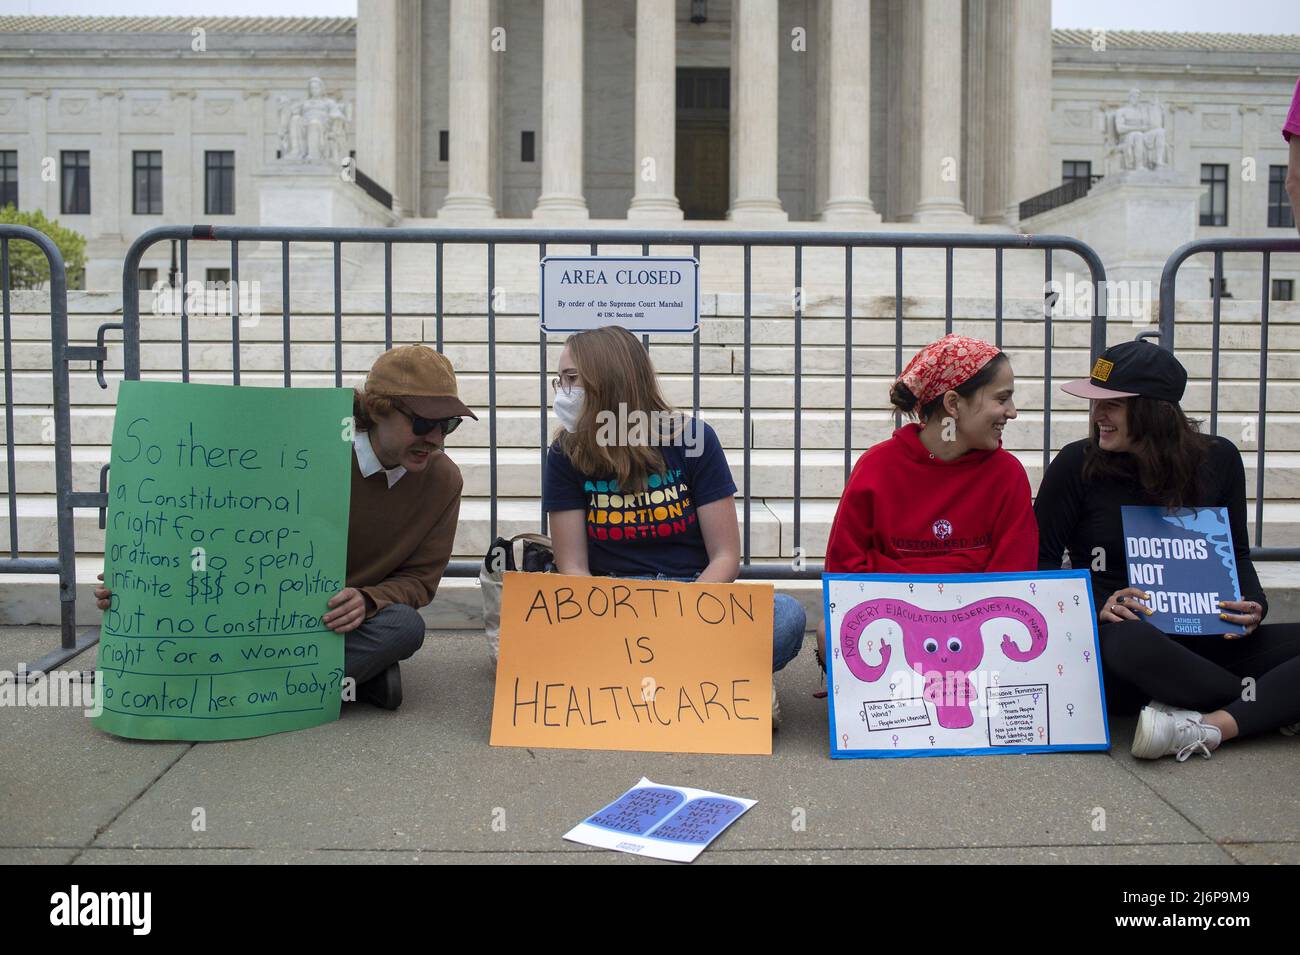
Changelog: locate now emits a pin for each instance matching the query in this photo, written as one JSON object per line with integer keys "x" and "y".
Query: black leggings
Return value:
{"x": 1205, "y": 673}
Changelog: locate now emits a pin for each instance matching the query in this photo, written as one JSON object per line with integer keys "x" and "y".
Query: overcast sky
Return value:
{"x": 1191, "y": 16}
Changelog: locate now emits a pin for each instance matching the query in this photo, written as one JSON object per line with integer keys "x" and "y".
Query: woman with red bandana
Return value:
{"x": 941, "y": 496}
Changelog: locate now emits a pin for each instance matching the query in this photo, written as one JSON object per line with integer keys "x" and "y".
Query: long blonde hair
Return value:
{"x": 617, "y": 377}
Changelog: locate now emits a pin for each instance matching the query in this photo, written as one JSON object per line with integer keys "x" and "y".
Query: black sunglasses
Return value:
{"x": 422, "y": 426}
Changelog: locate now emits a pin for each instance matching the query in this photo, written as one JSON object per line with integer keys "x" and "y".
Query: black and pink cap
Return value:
{"x": 1130, "y": 369}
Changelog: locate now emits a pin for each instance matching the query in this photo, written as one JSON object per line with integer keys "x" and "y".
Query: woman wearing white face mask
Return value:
{"x": 635, "y": 489}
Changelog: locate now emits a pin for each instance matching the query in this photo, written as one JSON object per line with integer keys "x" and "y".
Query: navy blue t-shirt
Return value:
{"x": 654, "y": 531}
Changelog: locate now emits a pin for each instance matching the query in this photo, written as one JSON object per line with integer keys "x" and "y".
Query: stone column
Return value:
{"x": 376, "y": 115}
{"x": 181, "y": 170}
{"x": 848, "y": 102}
{"x": 996, "y": 121}
{"x": 1248, "y": 210}
{"x": 255, "y": 104}
{"x": 469, "y": 100}
{"x": 976, "y": 82}
{"x": 821, "y": 130}
{"x": 34, "y": 192}
{"x": 562, "y": 112}
{"x": 388, "y": 96}
{"x": 106, "y": 180}
{"x": 902, "y": 80}
{"x": 933, "y": 37}
{"x": 656, "y": 112}
{"x": 755, "y": 39}
{"x": 410, "y": 141}
{"x": 1029, "y": 155}
{"x": 1181, "y": 115}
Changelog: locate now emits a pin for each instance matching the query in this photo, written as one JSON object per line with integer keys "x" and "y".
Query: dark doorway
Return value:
{"x": 703, "y": 170}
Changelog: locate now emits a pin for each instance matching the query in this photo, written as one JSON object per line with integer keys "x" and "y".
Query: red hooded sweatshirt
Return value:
{"x": 906, "y": 511}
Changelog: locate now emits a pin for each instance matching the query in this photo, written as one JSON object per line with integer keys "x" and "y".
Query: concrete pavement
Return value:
{"x": 423, "y": 785}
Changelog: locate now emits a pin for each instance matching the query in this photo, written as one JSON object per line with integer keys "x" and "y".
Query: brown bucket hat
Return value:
{"x": 422, "y": 378}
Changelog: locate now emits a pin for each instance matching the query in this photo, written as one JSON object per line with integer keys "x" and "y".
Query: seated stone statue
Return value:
{"x": 314, "y": 129}
{"x": 1136, "y": 134}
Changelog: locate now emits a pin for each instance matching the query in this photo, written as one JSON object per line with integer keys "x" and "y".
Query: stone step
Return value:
{"x": 822, "y": 473}
{"x": 821, "y": 429}
{"x": 722, "y": 267}
{"x": 874, "y": 323}
{"x": 27, "y": 600}
{"x": 726, "y": 355}
{"x": 1281, "y": 524}
{"x": 519, "y": 470}
{"x": 770, "y": 390}
{"x": 771, "y": 525}
{"x": 772, "y": 268}
{"x": 37, "y": 533}
{"x": 34, "y": 469}
{"x": 973, "y": 296}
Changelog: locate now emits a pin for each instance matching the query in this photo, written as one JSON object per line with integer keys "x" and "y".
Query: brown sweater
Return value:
{"x": 400, "y": 538}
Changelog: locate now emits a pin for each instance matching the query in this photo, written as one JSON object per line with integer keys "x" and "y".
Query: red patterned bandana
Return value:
{"x": 943, "y": 365}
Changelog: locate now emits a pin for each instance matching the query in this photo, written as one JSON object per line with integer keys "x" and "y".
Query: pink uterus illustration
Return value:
{"x": 943, "y": 646}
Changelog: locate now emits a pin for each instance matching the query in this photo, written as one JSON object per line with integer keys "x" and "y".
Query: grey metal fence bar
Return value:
{"x": 64, "y": 565}
{"x": 286, "y": 351}
{"x": 798, "y": 241}
{"x": 9, "y": 399}
{"x": 1168, "y": 327}
{"x": 185, "y": 314}
{"x": 234, "y": 308}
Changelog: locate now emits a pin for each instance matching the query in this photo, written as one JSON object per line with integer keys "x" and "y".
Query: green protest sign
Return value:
{"x": 226, "y": 536}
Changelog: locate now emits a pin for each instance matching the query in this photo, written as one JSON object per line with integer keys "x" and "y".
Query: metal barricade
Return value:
{"x": 491, "y": 238}
{"x": 64, "y": 565}
{"x": 1168, "y": 325}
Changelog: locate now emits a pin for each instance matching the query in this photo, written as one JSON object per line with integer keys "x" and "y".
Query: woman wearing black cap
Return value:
{"x": 1143, "y": 450}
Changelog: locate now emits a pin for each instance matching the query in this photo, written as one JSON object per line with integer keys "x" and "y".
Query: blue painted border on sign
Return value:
{"x": 541, "y": 302}
{"x": 1084, "y": 575}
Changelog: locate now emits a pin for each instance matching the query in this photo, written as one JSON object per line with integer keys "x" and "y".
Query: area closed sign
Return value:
{"x": 640, "y": 293}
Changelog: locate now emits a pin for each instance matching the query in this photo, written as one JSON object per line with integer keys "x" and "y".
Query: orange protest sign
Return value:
{"x": 651, "y": 665}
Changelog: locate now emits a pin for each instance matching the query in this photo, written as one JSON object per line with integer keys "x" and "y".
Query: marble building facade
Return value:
{"x": 932, "y": 114}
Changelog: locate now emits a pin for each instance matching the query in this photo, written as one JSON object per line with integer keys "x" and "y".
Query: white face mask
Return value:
{"x": 568, "y": 408}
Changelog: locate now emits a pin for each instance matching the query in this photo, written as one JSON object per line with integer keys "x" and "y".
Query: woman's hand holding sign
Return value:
{"x": 1116, "y": 610}
{"x": 1249, "y": 615}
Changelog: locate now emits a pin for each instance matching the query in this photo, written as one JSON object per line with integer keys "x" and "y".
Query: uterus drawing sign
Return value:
{"x": 945, "y": 647}
{"x": 990, "y": 666}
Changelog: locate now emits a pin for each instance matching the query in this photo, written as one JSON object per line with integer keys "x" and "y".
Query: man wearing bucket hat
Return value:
{"x": 402, "y": 518}
{"x": 1143, "y": 450}
{"x": 405, "y": 505}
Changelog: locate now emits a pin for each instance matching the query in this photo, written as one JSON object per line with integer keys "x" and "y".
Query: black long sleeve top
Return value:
{"x": 1078, "y": 516}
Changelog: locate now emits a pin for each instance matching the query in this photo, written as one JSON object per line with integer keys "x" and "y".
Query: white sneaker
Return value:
{"x": 1175, "y": 711}
{"x": 776, "y": 708}
{"x": 1160, "y": 733}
